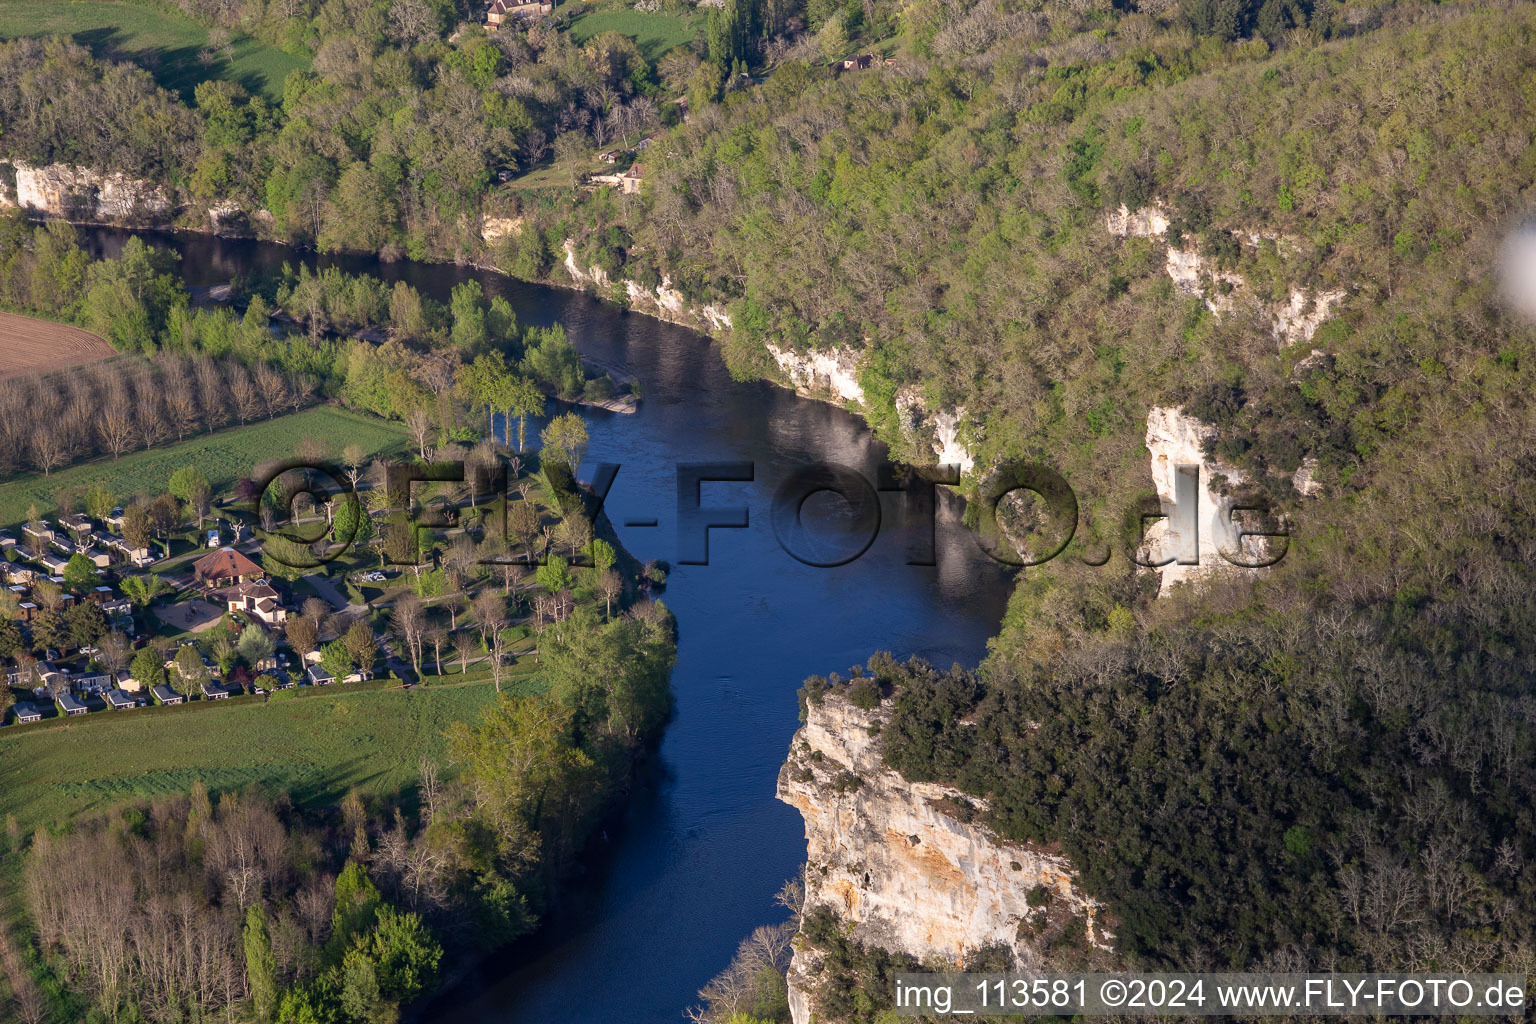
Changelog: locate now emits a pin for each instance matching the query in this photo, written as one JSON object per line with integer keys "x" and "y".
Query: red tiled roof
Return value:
{"x": 225, "y": 562}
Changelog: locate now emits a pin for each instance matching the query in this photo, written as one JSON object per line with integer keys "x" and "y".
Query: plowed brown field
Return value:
{"x": 30, "y": 346}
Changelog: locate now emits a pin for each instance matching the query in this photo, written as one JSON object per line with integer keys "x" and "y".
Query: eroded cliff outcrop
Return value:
{"x": 940, "y": 430}
{"x": 1176, "y": 439}
{"x": 84, "y": 195}
{"x": 663, "y": 301}
{"x": 832, "y": 374}
{"x": 1223, "y": 292}
{"x": 495, "y": 228}
{"x": 898, "y": 867}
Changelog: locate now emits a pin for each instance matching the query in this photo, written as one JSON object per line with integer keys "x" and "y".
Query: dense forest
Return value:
{"x": 390, "y": 142}
{"x": 1325, "y": 767}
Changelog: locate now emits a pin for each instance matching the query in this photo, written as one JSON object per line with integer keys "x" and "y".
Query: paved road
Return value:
{"x": 330, "y": 591}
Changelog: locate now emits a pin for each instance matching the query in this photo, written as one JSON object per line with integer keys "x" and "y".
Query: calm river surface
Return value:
{"x": 703, "y": 845}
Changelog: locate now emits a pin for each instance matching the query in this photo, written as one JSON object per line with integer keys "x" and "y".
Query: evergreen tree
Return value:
{"x": 260, "y": 964}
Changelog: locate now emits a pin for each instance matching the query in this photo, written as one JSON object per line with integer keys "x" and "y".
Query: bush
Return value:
{"x": 865, "y": 693}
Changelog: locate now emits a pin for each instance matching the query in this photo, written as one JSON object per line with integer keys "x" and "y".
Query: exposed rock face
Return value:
{"x": 717, "y": 317}
{"x": 1147, "y": 222}
{"x": 492, "y": 228}
{"x": 822, "y": 374}
{"x": 662, "y": 301}
{"x": 896, "y": 867}
{"x": 664, "y": 297}
{"x": 593, "y": 275}
{"x": 1189, "y": 273}
{"x": 1175, "y": 439}
{"x": 226, "y": 217}
{"x": 832, "y": 375}
{"x": 81, "y": 194}
{"x": 940, "y": 430}
{"x": 1300, "y": 318}
{"x": 1304, "y": 479}
{"x": 1293, "y": 321}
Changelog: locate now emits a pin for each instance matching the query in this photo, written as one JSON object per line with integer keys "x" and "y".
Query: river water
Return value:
{"x": 703, "y": 845}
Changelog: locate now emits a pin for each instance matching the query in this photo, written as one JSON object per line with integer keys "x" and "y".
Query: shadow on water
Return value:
{"x": 703, "y": 844}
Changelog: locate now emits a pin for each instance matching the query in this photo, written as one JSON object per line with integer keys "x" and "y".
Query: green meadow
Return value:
{"x": 315, "y": 745}
{"x": 166, "y": 44}
{"x": 225, "y": 457}
{"x": 655, "y": 34}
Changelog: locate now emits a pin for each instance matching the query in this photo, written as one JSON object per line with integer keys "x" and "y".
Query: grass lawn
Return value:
{"x": 224, "y": 457}
{"x": 315, "y": 746}
{"x": 556, "y": 175}
{"x": 166, "y": 44}
{"x": 655, "y": 34}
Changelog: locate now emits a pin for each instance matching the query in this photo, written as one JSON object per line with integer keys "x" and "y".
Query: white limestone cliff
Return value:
{"x": 718, "y": 319}
{"x": 492, "y": 228}
{"x": 1176, "y": 439}
{"x": 1298, "y": 320}
{"x": 1191, "y": 275}
{"x": 226, "y": 217}
{"x": 939, "y": 429}
{"x": 593, "y": 275}
{"x": 897, "y": 868}
{"x": 1147, "y": 222}
{"x": 1305, "y": 478}
{"x": 833, "y": 373}
{"x": 81, "y": 194}
{"x": 663, "y": 301}
{"x": 1295, "y": 320}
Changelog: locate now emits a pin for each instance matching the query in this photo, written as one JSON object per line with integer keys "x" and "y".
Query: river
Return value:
{"x": 703, "y": 845}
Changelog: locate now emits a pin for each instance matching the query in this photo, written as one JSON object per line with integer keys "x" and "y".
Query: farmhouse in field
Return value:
{"x": 224, "y": 567}
{"x": 861, "y": 62}
{"x": 627, "y": 182}
{"x": 501, "y": 11}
